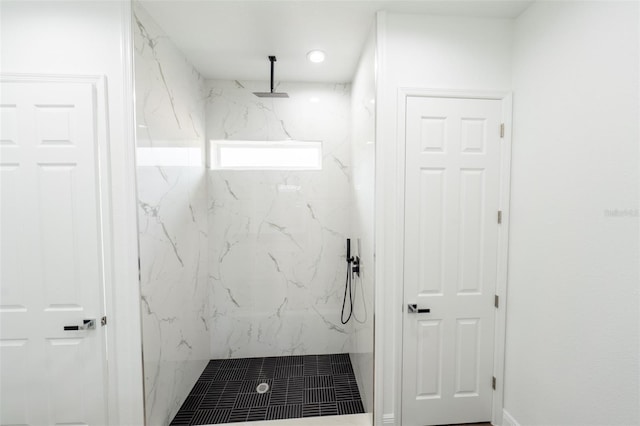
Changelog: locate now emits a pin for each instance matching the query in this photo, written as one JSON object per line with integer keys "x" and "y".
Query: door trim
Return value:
{"x": 503, "y": 230}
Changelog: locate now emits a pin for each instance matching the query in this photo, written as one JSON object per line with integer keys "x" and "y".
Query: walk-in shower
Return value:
{"x": 242, "y": 267}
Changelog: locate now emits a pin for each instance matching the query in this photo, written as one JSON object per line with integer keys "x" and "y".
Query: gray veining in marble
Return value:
{"x": 277, "y": 237}
{"x": 362, "y": 220}
{"x": 172, "y": 221}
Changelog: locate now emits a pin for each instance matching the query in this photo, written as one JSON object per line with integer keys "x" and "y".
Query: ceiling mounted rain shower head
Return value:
{"x": 271, "y": 94}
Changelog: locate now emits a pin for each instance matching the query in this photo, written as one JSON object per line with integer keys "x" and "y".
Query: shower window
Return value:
{"x": 265, "y": 155}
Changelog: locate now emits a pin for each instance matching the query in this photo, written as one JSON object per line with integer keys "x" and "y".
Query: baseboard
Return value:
{"x": 388, "y": 419}
{"x": 508, "y": 420}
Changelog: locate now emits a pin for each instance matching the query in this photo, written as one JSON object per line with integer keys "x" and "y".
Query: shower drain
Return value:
{"x": 262, "y": 388}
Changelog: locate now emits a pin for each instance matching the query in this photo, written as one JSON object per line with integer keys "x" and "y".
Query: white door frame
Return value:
{"x": 503, "y": 230}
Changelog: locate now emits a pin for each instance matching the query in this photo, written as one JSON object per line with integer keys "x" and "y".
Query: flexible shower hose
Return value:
{"x": 347, "y": 287}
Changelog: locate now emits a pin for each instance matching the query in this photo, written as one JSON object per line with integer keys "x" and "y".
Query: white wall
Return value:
{"x": 94, "y": 38}
{"x": 362, "y": 218}
{"x": 172, "y": 220}
{"x": 424, "y": 52}
{"x": 572, "y": 327}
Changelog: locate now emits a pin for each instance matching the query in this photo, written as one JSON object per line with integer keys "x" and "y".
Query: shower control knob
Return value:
{"x": 355, "y": 266}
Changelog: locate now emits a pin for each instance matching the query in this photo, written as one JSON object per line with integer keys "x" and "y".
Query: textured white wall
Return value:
{"x": 172, "y": 212}
{"x": 572, "y": 327}
{"x": 424, "y": 52}
{"x": 361, "y": 218}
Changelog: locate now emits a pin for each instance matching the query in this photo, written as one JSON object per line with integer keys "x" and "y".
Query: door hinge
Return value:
{"x": 496, "y": 301}
{"x": 103, "y": 321}
{"x": 499, "y": 216}
{"x": 493, "y": 383}
{"x": 502, "y": 130}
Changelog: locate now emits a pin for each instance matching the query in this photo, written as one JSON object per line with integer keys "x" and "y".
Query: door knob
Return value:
{"x": 88, "y": 324}
{"x": 413, "y": 309}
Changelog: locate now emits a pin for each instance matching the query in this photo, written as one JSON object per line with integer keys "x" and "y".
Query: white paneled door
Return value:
{"x": 52, "y": 266}
{"x": 452, "y": 186}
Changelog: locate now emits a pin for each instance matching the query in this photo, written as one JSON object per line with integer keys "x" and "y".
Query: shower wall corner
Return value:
{"x": 361, "y": 228}
{"x": 172, "y": 219}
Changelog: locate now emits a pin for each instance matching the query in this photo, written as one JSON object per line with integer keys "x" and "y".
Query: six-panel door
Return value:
{"x": 451, "y": 203}
{"x": 51, "y": 259}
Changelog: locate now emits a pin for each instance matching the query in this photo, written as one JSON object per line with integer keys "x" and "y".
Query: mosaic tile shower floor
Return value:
{"x": 299, "y": 386}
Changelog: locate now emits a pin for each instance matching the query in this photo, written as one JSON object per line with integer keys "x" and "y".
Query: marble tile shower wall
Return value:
{"x": 277, "y": 238}
{"x": 172, "y": 222}
{"x": 362, "y": 218}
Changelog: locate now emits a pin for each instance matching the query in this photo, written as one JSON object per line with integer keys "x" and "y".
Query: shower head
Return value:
{"x": 271, "y": 94}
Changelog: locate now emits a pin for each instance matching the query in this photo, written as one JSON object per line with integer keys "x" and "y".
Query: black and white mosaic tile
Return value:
{"x": 299, "y": 386}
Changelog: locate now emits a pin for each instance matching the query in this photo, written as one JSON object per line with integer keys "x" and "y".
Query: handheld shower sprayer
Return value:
{"x": 348, "y": 250}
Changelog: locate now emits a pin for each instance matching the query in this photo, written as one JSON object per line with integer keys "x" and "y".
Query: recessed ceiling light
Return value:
{"x": 314, "y": 100}
{"x": 316, "y": 56}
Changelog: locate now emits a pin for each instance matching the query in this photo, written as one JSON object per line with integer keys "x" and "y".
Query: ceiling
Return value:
{"x": 231, "y": 40}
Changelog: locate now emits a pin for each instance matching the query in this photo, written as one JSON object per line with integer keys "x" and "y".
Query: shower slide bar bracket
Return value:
{"x": 353, "y": 261}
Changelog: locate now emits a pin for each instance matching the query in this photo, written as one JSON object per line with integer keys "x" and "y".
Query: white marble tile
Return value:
{"x": 169, "y": 91}
{"x": 173, "y": 261}
{"x": 172, "y": 222}
{"x": 277, "y": 237}
{"x": 362, "y": 221}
